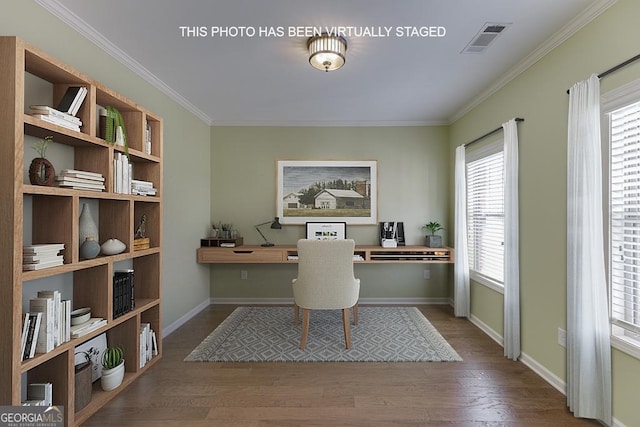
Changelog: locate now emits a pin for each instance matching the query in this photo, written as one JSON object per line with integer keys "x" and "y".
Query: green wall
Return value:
{"x": 186, "y": 166}
{"x": 539, "y": 95}
{"x": 228, "y": 174}
{"x": 413, "y": 186}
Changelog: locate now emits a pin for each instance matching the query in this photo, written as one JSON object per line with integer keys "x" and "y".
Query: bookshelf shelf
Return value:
{"x": 33, "y": 214}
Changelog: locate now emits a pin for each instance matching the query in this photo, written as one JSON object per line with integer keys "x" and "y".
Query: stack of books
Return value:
{"x": 30, "y": 330}
{"x": 123, "y": 174}
{"x": 51, "y": 115}
{"x": 53, "y": 327}
{"x": 147, "y": 139}
{"x": 90, "y": 325}
{"x": 80, "y": 180}
{"x": 61, "y": 316}
{"x": 37, "y": 257}
{"x": 143, "y": 188}
{"x": 141, "y": 243}
{"x": 72, "y": 100}
{"x": 148, "y": 344}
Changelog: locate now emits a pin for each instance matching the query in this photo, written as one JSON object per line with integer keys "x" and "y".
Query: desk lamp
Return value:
{"x": 275, "y": 224}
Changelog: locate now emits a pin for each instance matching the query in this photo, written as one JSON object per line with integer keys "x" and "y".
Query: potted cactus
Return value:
{"x": 433, "y": 241}
{"x": 112, "y": 368}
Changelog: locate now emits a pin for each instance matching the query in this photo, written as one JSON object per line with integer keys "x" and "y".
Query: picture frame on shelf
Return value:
{"x": 94, "y": 348}
{"x": 328, "y": 191}
{"x": 326, "y": 230}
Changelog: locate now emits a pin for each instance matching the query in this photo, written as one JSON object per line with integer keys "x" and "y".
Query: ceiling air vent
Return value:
{"x": 487, "y": 35}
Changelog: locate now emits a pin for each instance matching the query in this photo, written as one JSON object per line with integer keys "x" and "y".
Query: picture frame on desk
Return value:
{"x": 326, "y": 230}
{"x": 328, "y": 191}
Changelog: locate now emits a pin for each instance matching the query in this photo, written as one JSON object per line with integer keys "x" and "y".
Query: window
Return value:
{"x": 485, "y": 213}
{"x": 623, "y": 126}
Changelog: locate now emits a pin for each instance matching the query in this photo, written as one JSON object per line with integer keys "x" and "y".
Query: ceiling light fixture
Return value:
{"x": 327, "y": 52}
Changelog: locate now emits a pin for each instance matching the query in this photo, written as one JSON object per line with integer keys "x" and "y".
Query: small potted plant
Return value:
{"x": 41, "y": 171}
{"x": 433, "y": 241}
{"x": 112, "y": 368}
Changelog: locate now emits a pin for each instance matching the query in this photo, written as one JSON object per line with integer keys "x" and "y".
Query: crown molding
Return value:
{"x": 575, "y": 25}
{"x": 305, "y": 123}
{"x": 74, "y": 21}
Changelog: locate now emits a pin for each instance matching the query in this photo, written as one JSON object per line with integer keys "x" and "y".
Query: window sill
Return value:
{"x": 626, "y": 345}
{"x": 485, "y": 281}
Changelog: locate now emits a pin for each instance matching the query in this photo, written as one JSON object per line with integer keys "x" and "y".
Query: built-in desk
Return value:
{"x": 288, "y": 254}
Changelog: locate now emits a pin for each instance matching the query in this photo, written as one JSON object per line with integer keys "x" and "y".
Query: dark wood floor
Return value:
{"x": 484, "y": 390}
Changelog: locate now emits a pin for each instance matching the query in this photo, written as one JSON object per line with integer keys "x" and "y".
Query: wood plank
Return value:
{"x": 11, "y": 207}
{"x": 253, "y": 254}
{"x": 484, "y": 389}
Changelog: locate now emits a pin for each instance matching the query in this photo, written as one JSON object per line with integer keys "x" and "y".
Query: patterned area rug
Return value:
{"x": 268, "y": 334}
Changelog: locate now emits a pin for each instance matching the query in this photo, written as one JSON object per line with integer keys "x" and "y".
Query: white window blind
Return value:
{"x": 625, "y": 218}
{"x": 485, "y": 212}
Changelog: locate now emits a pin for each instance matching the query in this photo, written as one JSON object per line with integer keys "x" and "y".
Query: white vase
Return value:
{"x": 112, "y": 378}
{"x": 87, "y": 226}
{"x": 112, "y": 247}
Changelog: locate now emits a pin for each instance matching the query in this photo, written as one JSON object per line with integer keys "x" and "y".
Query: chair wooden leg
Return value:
{"x": 347, "y": 327}
{"x": 296, "y": 314}
{"x": 305, "y": 328}
{"x": 355, "y": 314}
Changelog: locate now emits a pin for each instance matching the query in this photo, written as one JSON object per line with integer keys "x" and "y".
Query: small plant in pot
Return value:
{"x": 41, "y": 171}
{"x": 112, "y": 368}
{"x": 433, "y": 241}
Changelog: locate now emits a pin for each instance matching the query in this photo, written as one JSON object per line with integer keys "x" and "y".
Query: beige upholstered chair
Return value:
{"x": 325, "y": 281}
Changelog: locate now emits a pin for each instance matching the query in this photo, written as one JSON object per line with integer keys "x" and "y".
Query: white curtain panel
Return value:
{"x": 461, "y": 266}
{"x": 511, "y": 251}
{"x": 588, "y": 342}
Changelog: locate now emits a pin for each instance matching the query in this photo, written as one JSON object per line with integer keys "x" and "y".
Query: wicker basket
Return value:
{"x": 83, "y": 385}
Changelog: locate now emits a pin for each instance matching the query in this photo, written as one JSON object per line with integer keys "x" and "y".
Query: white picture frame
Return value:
{"x": 95, "y": 347}
{"x": 326, "y": 230}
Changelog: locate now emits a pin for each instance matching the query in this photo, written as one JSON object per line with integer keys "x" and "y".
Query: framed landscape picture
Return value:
{"x": 327, "y": 191}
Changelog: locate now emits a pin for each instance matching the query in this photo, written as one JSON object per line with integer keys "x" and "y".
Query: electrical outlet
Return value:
{"x": 426, "y": 274}
{"x": 243, "y": 275}
{"x": 562, "y": 337}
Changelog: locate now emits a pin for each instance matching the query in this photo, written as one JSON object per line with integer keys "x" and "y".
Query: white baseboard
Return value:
{"x": 185, "y": 318}
{"x": 487, "y": 330}
{"x": 362, "y": 301}
{"x": 531, "y": 363}
{"x": 617, "y": 423}
{"x": 557, "y": 382}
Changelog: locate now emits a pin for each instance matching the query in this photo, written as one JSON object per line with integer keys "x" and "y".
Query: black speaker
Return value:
{"x": 400, "y": 233}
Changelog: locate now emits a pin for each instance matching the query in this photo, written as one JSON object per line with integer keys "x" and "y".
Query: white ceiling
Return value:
{"x": 395, "y": 80}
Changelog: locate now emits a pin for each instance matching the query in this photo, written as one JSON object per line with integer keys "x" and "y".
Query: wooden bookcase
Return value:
{"x": 32, "y": 214}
